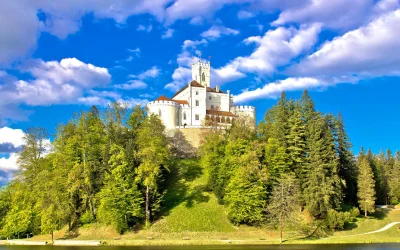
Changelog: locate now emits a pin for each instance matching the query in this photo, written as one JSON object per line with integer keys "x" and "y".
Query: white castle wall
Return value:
{"x": 244, "y": 111}
{"x": 167, "y": 110}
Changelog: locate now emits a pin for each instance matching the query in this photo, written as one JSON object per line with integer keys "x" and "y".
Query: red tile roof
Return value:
{"x": 220, "y": 113}
{"x": 209, "y": 89}
{"x": 164, "y": 98}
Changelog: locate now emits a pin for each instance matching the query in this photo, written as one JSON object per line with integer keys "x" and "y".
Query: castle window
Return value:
{"x": 212, "y": 106}
{"x": 197, "y": 117}
{"x": 197, "y": 92}
{"x": 197, "y": 103}
{"x": 159, "y": 112}
{"x": 209, "y": 98}
{"x": 203, "y": 77}
{"x": 184, "y": 115}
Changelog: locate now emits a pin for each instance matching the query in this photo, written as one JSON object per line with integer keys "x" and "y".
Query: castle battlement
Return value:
{"x": 201, "y": 64}
{"x": 244, "y": 108}
{"x": 164, "y": 103}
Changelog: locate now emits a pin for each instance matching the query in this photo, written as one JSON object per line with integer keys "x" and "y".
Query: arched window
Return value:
{"x": 203, "y": 77}
{"x": 184, "y": 115}
{"x": 159, "y": 112}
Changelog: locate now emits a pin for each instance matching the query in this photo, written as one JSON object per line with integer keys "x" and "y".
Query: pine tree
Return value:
{"x": 394, "y": 181}
{"x": 366, "y": 185}
{"x": 347, "y": 164}
{"x": 296, "y": 141}
{"x": 284, "y": 203}
{"x": 321, "y": 187}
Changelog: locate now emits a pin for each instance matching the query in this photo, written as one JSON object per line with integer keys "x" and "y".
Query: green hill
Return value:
{"x": 189, "y": 207}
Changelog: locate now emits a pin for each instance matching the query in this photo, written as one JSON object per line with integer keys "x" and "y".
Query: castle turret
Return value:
{"x": 201, "y": 73}
{"x": 167, "y": 110}
{"x": 245, "y": 112}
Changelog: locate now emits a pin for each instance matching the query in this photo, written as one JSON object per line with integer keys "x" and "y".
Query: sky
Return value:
{"x": 60, "y": 57}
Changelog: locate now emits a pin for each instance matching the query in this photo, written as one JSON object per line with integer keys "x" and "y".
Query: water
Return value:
{"x": 274, "y": 247}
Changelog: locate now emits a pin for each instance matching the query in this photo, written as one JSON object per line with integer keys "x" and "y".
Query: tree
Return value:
{"x": 347, "y": 165}
{"x": 275, "y": 161}
{"x": 120, "y": 200}
{"x": 245, "y": 196}
{"x": 322, "y": 184}
{"x": 296, "y": 141}
{"x": 366, "y": 185}
{"x": 394, "y": 181}
{"x": 284, "y": 203}
{"x": 153, "y": 153}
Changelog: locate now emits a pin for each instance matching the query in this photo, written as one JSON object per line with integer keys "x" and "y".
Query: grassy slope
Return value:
{"x": 188, "y": 205}
{"x": 191, "y": 212}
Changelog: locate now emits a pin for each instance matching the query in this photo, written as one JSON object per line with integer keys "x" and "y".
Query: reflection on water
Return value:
{"x": 274, "y": 247}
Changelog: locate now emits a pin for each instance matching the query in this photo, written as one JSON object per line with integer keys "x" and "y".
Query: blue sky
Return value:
{"x": 59, "y": 57}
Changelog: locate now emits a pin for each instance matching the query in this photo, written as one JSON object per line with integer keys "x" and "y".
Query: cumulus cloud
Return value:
{"x": 276, "y": 48}
{"x": 11, "y": 136}
{"x": 371, "y": 50}
{"x": 216, "y": 31}
{"x": 9, "y": 163}
{"x": 62, "y": 18}
{"x": 272, "y": 90}
{"x": 52, "y": 82}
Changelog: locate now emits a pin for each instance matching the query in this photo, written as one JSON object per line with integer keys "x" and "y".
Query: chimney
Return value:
{"x": 217, "y": 89}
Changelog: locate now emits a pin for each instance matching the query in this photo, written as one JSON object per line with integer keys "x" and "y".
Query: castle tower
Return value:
{"x": 201, "y": 73}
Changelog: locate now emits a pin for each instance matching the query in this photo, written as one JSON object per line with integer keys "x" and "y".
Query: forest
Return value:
{"x": 110, "y": 166}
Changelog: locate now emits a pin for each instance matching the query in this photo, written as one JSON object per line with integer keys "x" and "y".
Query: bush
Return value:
{"x": 87, "y": 218}
{"x": 354, "y": 212}
{"x": 336, "y": 220}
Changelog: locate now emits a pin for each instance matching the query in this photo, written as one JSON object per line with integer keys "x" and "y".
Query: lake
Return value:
{"x": 273, "y": 247}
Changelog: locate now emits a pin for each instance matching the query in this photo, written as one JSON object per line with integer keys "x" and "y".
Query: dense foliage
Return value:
{"x": 297, "y": 156}
{"x": 110, "y": 167}
{"x": 106, "y": 167}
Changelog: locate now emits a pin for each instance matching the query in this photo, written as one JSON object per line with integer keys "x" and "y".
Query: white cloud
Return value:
{"x": 371, "y": 50}
{"x": 145, "y": 28}
{"x": 19, "y": 37}
{"x": 13, "y": 136}
{"x": 245, "y": 14}
{"x": 132, "y": 84}
{"x": 216, "y": 31}
{"x": 53, "y": 83}
{"x": 168, "y": 34}
{"x": 272, "y": 90}
{"x": 9, "y": 163}
{"x": 334, "y": 14}
{"x": 276, "y": 48}
{"x": 19, "y": 31}
{"x": 150, "y": 73}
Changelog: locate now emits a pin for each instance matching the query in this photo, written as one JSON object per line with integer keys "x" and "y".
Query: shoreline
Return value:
{"x": 188, "y": 242}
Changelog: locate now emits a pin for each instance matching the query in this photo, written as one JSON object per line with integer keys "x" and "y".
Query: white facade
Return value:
{"x": 197, "y": 103}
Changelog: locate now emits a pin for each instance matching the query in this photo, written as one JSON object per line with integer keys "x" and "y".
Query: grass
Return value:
{"x": 192, "y": 216}
{"x": 188, "y": 204}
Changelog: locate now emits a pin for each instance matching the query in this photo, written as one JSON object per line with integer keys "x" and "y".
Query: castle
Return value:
{"x": 197, "y": 102}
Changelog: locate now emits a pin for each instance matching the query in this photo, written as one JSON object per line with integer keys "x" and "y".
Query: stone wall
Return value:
{"x": 193, "y": 135}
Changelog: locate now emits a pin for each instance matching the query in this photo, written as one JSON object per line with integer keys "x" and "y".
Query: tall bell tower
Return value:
{"x": 201, "y": 72}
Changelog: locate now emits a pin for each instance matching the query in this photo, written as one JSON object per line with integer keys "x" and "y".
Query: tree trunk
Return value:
{"x": 52, "y": 237}
{"x": 365, "y": 212}
{"x": 280, "y": 225}
{"x": 147, "y": 205}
